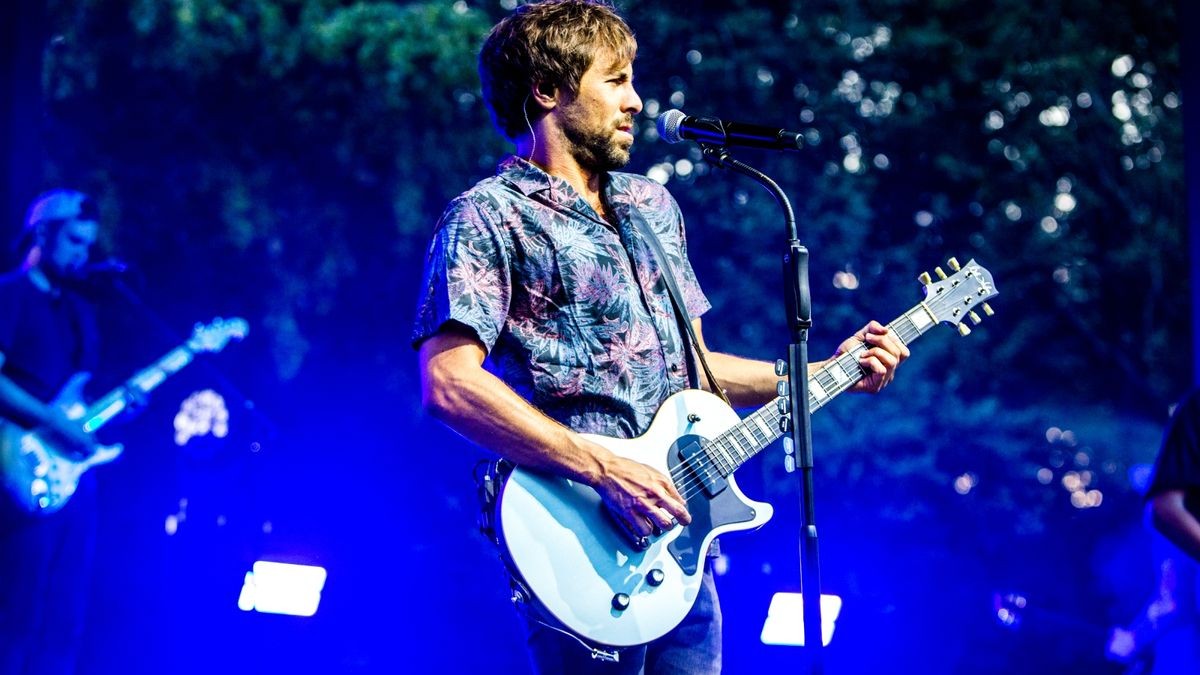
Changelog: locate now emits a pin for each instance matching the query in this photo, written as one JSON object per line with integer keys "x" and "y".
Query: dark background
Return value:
{"x": 285, "y": 162}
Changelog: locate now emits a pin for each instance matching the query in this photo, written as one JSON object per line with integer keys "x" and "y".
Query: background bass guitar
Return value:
{"x": 39, "y": 476}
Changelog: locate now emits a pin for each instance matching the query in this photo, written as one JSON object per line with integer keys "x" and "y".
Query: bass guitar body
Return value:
{"x": 37, "y": 475}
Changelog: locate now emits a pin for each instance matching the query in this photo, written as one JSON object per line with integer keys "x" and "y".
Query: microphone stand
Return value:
{"x": 799, "y": 311}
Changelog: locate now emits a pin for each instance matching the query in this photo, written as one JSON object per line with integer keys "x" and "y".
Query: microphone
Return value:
{"x": 107, "y": 266}
{"x": 674, "y": 126}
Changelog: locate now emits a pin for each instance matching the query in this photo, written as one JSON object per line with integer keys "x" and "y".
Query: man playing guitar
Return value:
{"x": 47, "y": 334}
{"x": 541, "y": 270}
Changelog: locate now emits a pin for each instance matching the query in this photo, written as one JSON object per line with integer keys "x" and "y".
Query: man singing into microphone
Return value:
{"x": 542, "y": 273}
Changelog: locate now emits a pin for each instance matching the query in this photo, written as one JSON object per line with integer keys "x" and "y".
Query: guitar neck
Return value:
{"x": 759, "y": 429}
{"x": 143, "y": 382}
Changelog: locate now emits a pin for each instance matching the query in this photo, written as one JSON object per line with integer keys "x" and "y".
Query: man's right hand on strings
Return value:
{"x": 641, "y": 495}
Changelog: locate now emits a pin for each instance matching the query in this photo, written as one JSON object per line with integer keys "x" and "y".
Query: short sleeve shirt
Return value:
{"x": 45, "y": 337}
{"x": 573, "y": 309}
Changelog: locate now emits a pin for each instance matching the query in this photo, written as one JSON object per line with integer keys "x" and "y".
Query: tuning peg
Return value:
{"x": 953, "y": 264}
{"x": 987, "y": 309}
{"x": 964, "y": 330}
{"x": 784, "y": 405}
{"x": 924, "y": 278}
{"x": 940, "y": 274}
{"x": 781, "y": 367}
{"x": 974, "y": 318}
{"x": 781, "y": 388}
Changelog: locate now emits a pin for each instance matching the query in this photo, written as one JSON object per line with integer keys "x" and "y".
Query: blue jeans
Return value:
{"x": 691, "y": 648}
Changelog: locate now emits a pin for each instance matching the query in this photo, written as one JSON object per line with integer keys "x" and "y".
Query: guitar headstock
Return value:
{"x": 954, "y": 298}
{"x": 213, "y": 337}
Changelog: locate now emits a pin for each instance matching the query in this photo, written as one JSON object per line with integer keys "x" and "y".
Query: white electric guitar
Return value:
{"x": 616, "y": 590}
{"x": 39, "y": 476}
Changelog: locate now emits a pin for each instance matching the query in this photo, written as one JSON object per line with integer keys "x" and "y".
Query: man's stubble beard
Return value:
{"x": 61, "y": 276}
{"x": 597, "y": 150}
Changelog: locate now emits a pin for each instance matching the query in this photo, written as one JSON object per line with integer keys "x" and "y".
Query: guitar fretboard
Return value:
{"x": 756, "y": 431}
{"x": 143, "y": 382}
{"x": 208, "y": 338}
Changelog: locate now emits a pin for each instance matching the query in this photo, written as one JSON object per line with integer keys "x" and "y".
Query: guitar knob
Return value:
{"x": 925, "y": 279}
{"x": 987, "y": 309}
{"x": 940, "y": 274}
{"x": 655, "y": 577}
{"x": 781, "y": 367}
{"x": 953, "y": 264}
{"x": 620, "y": 602}
{"x": 974, "y": 318}
{"x": 781, "y": 388}
{"x": 964, "y": 330}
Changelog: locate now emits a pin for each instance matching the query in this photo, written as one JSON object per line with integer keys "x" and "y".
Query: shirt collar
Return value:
{"x": 529, "y": 179}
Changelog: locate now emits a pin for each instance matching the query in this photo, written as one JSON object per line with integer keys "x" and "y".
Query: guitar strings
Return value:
{"x": 706, "y": 468}
{"x": 700, "y": 469}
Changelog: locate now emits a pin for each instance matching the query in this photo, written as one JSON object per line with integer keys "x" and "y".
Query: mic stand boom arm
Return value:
{"x": 799, "y": 310}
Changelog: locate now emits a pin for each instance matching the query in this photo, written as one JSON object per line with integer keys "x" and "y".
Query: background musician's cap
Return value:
{"x": 64, "y": 205}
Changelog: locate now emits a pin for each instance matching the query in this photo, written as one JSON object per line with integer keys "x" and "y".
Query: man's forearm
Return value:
{"x": 747, "y": 382}
{"x": 16, "y": 402}
{"x": 483, "y": 409}
{"x": 1170, "y": 516}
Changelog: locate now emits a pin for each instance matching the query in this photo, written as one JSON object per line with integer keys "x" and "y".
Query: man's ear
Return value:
{"x": 544, "y": 95}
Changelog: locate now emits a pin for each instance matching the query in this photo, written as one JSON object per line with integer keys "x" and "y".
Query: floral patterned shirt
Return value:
{"x": 573, "y": 310}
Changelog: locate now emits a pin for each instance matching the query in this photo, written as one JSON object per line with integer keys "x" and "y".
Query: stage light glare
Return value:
{"x": 785, "y": 619}
{"x": 203, "y": 413}
{"x": 282, "y": 588}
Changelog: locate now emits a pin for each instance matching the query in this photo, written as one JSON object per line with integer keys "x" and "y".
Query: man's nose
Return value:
{"x": 633, "y": 102}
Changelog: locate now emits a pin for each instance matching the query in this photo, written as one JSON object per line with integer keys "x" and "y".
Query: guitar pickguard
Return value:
{"x": 710, "y": 504}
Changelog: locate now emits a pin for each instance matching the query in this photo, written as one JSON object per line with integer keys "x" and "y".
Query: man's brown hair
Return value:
{"x": 550, "y": 44}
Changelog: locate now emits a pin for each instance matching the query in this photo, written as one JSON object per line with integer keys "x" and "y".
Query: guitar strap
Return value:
{"x": 681, "y": 315}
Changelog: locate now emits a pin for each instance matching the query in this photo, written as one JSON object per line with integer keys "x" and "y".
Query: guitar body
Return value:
{"x": 37, "y": 475}
{"x": 596, "y": 580}
{"x": 577, "y": 560}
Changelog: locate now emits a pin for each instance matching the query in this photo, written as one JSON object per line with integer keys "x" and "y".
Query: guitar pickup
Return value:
{"x": 691, "y": 453}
